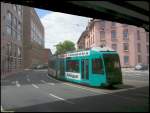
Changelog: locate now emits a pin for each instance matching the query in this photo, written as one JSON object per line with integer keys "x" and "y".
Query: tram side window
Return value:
{"x": 73, "y": 66}
{"x": 97, "y": 66}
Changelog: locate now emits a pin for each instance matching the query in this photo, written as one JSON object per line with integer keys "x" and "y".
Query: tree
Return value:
{"x": 64, "y": 47}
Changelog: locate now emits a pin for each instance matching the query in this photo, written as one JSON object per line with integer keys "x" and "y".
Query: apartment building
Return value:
{"x": 11, "y": 38}
{"x": 131, "y": 42}
{"x": 81, "y": 41}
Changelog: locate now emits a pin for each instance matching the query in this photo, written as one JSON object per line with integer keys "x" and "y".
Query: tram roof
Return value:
{"x": 97, "y": 49}
{"x": 88, "y": 52}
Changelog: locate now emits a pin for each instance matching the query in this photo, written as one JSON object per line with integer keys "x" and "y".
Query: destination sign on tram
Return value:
{"x": 77, "y": 54}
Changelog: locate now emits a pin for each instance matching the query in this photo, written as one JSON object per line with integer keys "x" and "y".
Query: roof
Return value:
{"x": 82, "y": 36}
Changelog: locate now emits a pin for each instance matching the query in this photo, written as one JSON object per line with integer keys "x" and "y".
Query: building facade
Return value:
{"x": 22, "y": 39}
{"x": 81, "y": 41}
{"x": 11, "y": 38}
{"x": 33, "y": 41}
{"x": 131, "y": 42}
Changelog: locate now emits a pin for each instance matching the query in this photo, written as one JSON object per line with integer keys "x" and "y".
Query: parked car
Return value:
{"x": 141, "y": 67}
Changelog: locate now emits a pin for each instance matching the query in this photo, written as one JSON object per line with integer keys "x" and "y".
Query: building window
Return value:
{"x": 93, "y": 39}
{"x": 126, "y": 59}
{"x": 126, "y": 47}
{"x": 138, "y": 35}
{"x": 125, "y": 35}
{"x": 86, "y": 43}
{"x": 15, "y": 53}
{"x": 8, "y": 30}
{"x": 9, "y": 23}
{"x": 9, "y": 18}
{"x": 147, "y": 47}
{"x": 102, "y": 24}
{"x": 19, "y": 52}
{"x": 89, "y": 42}
{"x": 102, "y": 35}
{"x": 14, "y": 7}
{"x": 139, "y": 59}
{"x": 19, "y": 32}
{"x": 113, "y": 35}
{"x": 114, "y": 47}
{"x": 15, "y": 23}
{"x": 139, "y": 47}
{"x": 19, "y": 10}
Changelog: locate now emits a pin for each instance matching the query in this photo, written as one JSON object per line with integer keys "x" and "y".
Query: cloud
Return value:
{"x": 59, "y": 27}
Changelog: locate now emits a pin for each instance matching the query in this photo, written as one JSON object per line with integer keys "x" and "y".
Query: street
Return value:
{"x": 34, "y": 91}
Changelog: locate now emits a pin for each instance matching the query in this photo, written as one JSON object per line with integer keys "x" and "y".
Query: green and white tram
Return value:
{"x": 95, "y": 67}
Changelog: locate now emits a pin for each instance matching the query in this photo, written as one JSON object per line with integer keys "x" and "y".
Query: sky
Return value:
{"x": 59, "y": 27}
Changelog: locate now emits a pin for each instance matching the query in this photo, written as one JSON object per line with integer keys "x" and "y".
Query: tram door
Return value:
{"x": 85, "y": 69}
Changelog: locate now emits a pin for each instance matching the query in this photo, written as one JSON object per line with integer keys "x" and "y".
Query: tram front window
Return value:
{"x": 113, "y": 69}
{"x": 111, "y": 62}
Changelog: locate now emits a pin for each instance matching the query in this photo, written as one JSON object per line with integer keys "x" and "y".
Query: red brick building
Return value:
{"x": 33, "y": 39}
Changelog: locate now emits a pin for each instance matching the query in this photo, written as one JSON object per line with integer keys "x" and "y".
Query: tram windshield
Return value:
{"x": 112, "y": 63}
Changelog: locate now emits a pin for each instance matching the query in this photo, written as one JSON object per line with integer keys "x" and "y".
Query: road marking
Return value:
{"x": 35, "y": 86}
{"x": 61, "y": 98}
{"x": 56, "y": 96}
{"x": 17, "y": 84}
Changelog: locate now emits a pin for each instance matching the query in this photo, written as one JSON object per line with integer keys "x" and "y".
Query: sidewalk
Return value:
{"x": 133, "y": 70}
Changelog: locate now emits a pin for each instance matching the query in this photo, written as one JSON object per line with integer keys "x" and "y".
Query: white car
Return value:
{"x": 141, "y": 67}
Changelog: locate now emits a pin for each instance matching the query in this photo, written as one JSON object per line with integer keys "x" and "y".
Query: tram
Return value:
{"x": 94, "y": 67}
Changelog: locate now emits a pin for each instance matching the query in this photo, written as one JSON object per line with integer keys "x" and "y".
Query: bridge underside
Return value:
{"x": 127, "y": 12}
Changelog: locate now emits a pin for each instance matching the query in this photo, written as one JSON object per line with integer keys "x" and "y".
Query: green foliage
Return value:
{"x": 64, "y": 47}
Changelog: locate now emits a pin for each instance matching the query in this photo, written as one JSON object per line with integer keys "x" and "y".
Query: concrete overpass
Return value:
{"x": 127, "y": 12}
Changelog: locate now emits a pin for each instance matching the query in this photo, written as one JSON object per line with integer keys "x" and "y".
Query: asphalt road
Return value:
{"x": 35, "y": 91}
